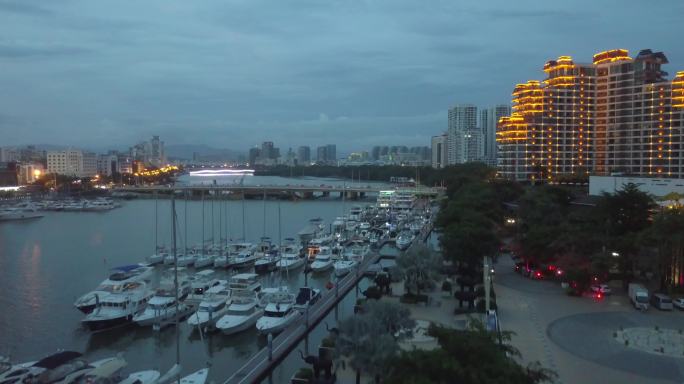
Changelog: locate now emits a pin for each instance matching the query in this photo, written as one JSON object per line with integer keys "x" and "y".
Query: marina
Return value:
{"x": 239, "y": 330}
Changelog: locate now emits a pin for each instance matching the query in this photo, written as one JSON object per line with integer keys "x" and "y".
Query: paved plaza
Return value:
{"x": 582, "y": 339}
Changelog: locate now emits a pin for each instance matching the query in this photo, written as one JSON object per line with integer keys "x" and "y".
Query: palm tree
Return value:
{"x": 420, "y": 267}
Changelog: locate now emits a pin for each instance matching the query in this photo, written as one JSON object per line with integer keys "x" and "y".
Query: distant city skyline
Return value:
{"x": 231, "y": 75}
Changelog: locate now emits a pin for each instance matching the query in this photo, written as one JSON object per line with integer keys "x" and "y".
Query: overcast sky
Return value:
{"x": 234, "y": 73}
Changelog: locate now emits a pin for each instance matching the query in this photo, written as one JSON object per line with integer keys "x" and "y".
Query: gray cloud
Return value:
{"x": 234, "y": 73}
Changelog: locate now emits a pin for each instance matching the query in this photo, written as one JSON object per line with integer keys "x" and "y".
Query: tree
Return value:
{"x": 370, "y": 340}
{"x": 666, "y": 235}
{"x": 420, "y": 266}
{"x": 626, "y": 214}
{"x": 465, "y": 357}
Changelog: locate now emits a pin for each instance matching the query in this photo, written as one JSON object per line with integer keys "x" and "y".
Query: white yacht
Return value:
{"x": 183, "y": 260}
{"x": 141, "y": 377}
{"x": 201, "y": 282}
{"x": 245, "y": 281}
{"x": 103, "y": 371}
{"x": 158, "y": 256}
{"x": 162, "y": 306}
{"x": 198, "y": 377}
{"x": 225, "y": 259}
{"x": 160, "y": 310}
{"x": 416, "y": 226}
{"x": 118, "y": 308}
{"x": 210, "y": 310}
{"x": 357, "y": 251}
{"x": 115, "y": 282}
{"x": 343, "y": 267}
{"x": 404, "y": 241}
{"x": 17, "y": 373}
{"x": 267, "y": 263}
{"x": 244, "y": 259}
{"x": 205, "y": 259}
{"x": 355, "y": 213}
{"x": 243, "y": 313}
{"x": 323, "y": 261}
{"x": 277, "y": 317}
{"x": 339, "y": 227}
{"x": 290, "y": 261}
{"x": 290, "y": 256}
{"x": 306, "y": 297}
{"x": 274, "y": 294}
{"x": 18, "y": 215}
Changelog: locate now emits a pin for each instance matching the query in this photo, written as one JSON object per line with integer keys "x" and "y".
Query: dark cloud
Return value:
{"x": 24, "y": 8}
{"x": 12, "y": 51}
{"x": 232, "y": 73}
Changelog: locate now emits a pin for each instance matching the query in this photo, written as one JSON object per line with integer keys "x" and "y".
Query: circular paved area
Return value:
{"x": 591, "y": 336}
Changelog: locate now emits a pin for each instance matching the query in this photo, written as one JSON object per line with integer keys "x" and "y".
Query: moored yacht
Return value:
{"x": 201, "y": 282}
{"x": 158, "y": 256}
{"x": 343, "y": 267}
{"x": 404, "y": 241}
{"x": 277, "y": 316}
{"x": 267, "y": 263}
{"x": 119, "y": 278}
{"x": 162, "y": 306}
{"x": 245, "y": 281}
{"x": 210, "y": 310}
{"x": 118, "y": 308}
{"x": 306, "y": 297}
{"x": 243, "y": 313}
{"x": 290, "y": 257}
{"x": 323, "y": 260}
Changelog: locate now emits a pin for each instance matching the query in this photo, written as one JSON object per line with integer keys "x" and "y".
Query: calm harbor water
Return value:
{"x": 47, "y": 263}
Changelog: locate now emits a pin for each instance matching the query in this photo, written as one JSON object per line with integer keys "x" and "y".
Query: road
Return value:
{"x": 574, "y": 336}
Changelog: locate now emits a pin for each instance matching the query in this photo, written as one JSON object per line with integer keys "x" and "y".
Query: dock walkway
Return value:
{"x": 259, "y": 366}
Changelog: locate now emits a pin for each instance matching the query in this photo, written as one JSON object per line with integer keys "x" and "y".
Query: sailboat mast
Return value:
{"x": 185, "y": 223}
{"x": 213, "y": 197}
{"x": 175, "y": 277}
{"x": 156, "y": 204}
{"x": 243, "y": 215}
{"x": 263, "y": 234}
{"x": 202, "y": 222}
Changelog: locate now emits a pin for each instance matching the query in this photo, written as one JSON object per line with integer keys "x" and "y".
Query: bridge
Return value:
{"x": 228, "y": 191}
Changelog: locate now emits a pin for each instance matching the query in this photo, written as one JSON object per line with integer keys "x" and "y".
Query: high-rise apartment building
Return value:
{"x": 72, "y": 162}
{"x": 439, "y": 151}
{"x": 331, "y": 153}
{"x": 462, "y": 123}
{"x": 616, "y": 115}
{"x": 488, "y": 120}
{"x": 304, "y": 155}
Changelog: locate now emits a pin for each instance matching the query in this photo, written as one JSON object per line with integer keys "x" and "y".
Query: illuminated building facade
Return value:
{"x": 616, "y": 115}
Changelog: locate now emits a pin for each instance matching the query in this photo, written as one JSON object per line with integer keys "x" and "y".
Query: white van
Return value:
{"x": 662, "y": 302}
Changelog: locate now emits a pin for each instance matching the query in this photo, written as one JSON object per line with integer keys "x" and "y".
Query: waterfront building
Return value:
{"x": 108, "y": 164}
{"x": 254, "y": 154}
{"x": 488, "y": 120}
{"x": 304, "y": 155}
{"x": 29, "y": 172}
{"x": 72, "y": 162}
{"x": 616, "y": 115}
{"x": 9, "y": 154}
{"x": 462, "y": 122}
{"x": 8, "y": 174}
{"x": 439, "y": 153}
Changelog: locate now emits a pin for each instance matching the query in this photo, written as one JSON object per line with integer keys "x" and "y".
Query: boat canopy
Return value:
{"x": 55, "y": 360}
{"x": 127, "y": 268}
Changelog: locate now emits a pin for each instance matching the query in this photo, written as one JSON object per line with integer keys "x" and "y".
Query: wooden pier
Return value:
{"x": 258, "y": 368}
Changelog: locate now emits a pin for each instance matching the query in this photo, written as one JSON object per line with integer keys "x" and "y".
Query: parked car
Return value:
{"x": 661, "y": 301}
{"x": 603, "y": 289}
{"x": 678, "y": 303}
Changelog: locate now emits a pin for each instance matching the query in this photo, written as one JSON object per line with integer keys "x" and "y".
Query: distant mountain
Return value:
{"x": 186, "y": 152}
